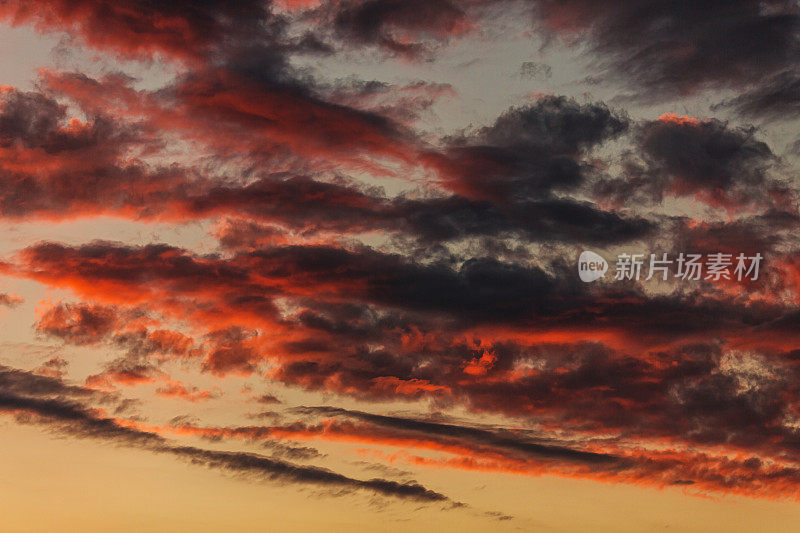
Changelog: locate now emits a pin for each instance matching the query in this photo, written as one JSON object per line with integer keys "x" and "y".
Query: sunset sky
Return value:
{"x": 312, "y": 265}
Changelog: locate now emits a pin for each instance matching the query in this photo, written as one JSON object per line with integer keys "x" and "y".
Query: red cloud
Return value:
{"x": 137, "y": 29}
{"x": 176, "y": 389}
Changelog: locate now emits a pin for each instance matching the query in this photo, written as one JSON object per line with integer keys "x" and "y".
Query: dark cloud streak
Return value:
{"x": 75, "y": 419}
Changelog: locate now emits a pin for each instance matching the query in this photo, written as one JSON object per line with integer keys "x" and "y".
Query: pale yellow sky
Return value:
{"x": 51, "y": 483}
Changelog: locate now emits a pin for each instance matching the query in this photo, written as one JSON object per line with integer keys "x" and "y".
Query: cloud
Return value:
{"x": 267, "y": 399}
{"x": 21, "y": 394}
{"x": 475, "y": 435}
{"x": 77, "y": 323}
{"x": 358, "y": 250}
{"x": 57, "y": 167}
{"x": 10, "y": 300}
{"x": 668, "y": 48}
{"x": 708, "y": 159}
{"x": 528, "y": 151}
{"x": 234, "y": 300}
{"x": 527, "y": 452}
{"x": 136, "y": 29}
{"x": 503, "y": 175}
{"x": 176, "y": 389}
{"x": 777, "y": 98}
{"x": 282, "y": 471}
{"x": 405, "y": 28}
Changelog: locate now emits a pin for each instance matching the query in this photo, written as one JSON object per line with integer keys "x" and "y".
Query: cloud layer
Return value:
{"x": 354, "y": 252}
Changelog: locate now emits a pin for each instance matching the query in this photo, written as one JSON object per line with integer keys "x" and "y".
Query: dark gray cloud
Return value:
{"x": 479, "y": 436}
{"x": 273, "y": 469}
{"x": 529, "y": 151}
{"x": 556, "y": 124}
{"x": 664, "y": 48}
{"x": 388, "y": 24}
{"x": 47, "y": 401}
{"x": 317, "y": 206}
{"x": 709, "y": 159}
{"x": 776, "y": 98}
